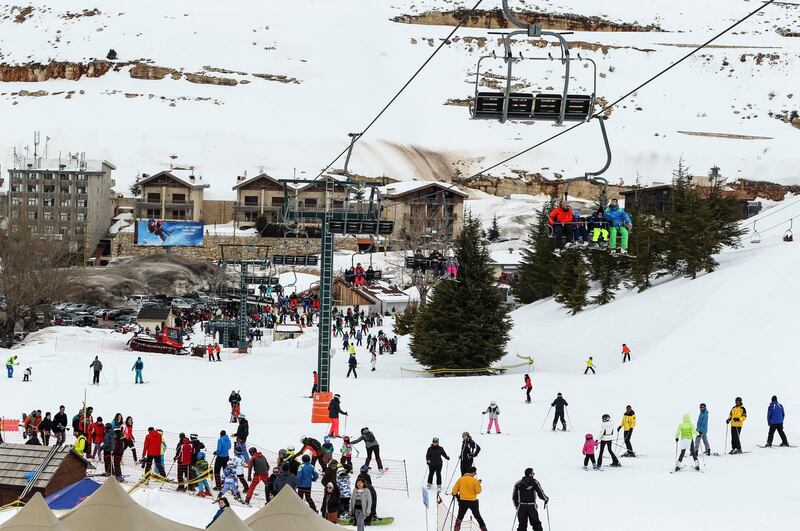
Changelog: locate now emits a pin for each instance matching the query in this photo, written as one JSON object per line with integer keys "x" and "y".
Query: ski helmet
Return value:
{"x": 436, "y": 440}
{"x": 588, "y": 436}
{"x": 290, "y": 448}
{"x": 738, "y": 398}
{"x": 242, "y": 416}
{"x": 201, "y": 455}
{"x": 326, "y": 439}
{"x": 346, "y": 438}
{"x": 492, "y": 403}
{"x": 364, "y": 468}
{"x": 606, "y": 417}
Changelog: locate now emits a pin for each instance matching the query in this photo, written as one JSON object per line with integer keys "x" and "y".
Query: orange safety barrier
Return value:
{"x": 319, "y": 408}
{"x": 9, "y": 424}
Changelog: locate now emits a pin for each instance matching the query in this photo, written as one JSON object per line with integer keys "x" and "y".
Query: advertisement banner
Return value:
{"x": 161, "y": 233}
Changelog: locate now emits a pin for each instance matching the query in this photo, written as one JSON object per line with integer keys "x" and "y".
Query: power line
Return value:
{"x": 628, "y": 94}
{"x": 446, "y": 40}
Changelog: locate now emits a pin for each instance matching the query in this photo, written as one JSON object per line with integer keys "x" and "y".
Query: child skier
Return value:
{"x": 626, "y": 353}
{"x": 26, "y": 376}
{"x": 588, "y": 452}
{"x": 494, "y": 417}
{"x": 343, "y": 482}
{"x": 347, "y": 455}
{"x": 589, "y": 366}
{"x": 684, "y": 439}
{"x": 327, "y": 452}
{"x": 230, "y": 482}
{"x": 201, "y": 469}
{"x": 528, "y": 387}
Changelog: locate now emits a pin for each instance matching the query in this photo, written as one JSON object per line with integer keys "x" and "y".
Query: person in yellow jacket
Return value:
{"x": 80, "y": 443}
{"x": 589, "y": 366}
{"x": 736, "y": 419}
{"x": 627, "y": 424}
{"x": 466, "y": 490}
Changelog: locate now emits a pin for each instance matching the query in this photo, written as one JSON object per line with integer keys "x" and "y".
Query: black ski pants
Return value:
{"x": 472, "y": 506}
{"x": 736, "y": 444}
{"x": 528, "y": 394}
{"x": 219, "y": 465}
{"x": 352, "y": 370}
{"x": 96, "y": 378}
{"x": 435, "y": 469}
{"x": 779, "y": 428}
{"x": 560, "y": 230}
{"x": 627, "y": 436}
{"x": 603, "y": 446}
{"x": 466, "y": 464}
{"x": 559, "y": 416}
{"x": 589, "y": 369}
{"x": 376, "y": 451}
{"x": 527, "y": 513}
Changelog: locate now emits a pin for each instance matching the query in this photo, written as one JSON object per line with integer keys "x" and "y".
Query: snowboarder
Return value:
{"x": 736, "y": 419}
{"x": 620, "y": 223}
{"x": 626, "y": 353}
{"x": 138, "y": 365}
{"x": 589, "y": 366}
{"x": 528, "y": 387}
{"x": 606, "y": 442}
{"x": 373, "y": 448}
{"x": 352, "y": 363}
{"x": 627, "y": 424}
{"x": 494, "y": 417}
{"x": 433, "y": 457}
{"x": 466, "y": 490}
{"x": 775, "y": 416}
{"x": 334, "y": 410}
{"x": 588, "y": 452}
{"x": 96, "y": 367}
{"x": 560, "y": 404}
{"x": 684, "y": 439}
{"x": 524, "y": 497}
{"x": 469, "y": 451}
{"x": 10, "y": 362}
{"x": 702, "y": 429}
{"x": 306, "y": 476}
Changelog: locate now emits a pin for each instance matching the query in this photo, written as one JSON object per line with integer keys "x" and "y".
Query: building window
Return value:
{"x": 178, "y": 214}
{"x": 64, "y": 231}
{"x": 310, "y": 202}
{"x": 80, "y": 189}
{"x": 64, "y": 176}
{"x": 337, "y": 203}
{"x": 16, "y": 187}
{"x": 14, "y": 200}
{"x": 65, "y": 189}
{"x": 49, "y": 189}
{"x": 250, "y": 216}
{"x": 64, "y": 216}
{"x": 48, "y": 229}
{"x": 48, "y": 216}
{"x": 178, "y": 198}
{"x": 48, "y": 176}
{"x": 154, "y": 213}
{"x": 14, "y": 214}
{"x": 153, "y": 197}
{"x": 81, "y": 203}
{"x": 65, "y": 202}
{"x": 278, "y": 201}
{"x": 251, "y": 200}
{"x": 80, "y": 216}
{"x": 32, "y": 214}
{"x": 79, "y": 230}
{"x": 33, "y": 201}
{"x": 81, "y": 176}
{"x": 33, "y": 188}
{"x": 32, "y": 176}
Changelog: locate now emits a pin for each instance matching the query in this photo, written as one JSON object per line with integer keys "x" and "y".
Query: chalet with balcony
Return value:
{"x": 167, "y": 196}
{"x": 259, "y": 196}
{"x": 423, "y": 209}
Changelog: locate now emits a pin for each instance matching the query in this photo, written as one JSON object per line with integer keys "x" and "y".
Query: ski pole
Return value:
{"x": 515, "y": 519}
{"x": 450, "y": 481}
{"x": 168, "y": 473}
{"x": 345, "y": 423}
{"x": 545, "y": 418}
{"x": 676, "y": 453}
{"x": 569, "y": 420}
{"x": 547, "y": 510}
{"x": 725, "y": 448}
{"x": 482, "y": 417}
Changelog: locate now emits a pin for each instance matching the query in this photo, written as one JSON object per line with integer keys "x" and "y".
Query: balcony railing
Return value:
{"x": 187, "y": 205}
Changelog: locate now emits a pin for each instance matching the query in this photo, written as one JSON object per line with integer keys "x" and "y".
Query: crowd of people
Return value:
{"x": 600, "y": 229}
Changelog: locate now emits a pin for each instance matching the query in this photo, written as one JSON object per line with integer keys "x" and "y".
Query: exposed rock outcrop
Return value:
{"x": 143, "y": 71}
{"x": 36, "y": 72}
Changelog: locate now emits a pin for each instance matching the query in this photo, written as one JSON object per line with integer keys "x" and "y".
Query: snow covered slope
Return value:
{"x": 727, "y": 334}
{"x": 308, "y": 72}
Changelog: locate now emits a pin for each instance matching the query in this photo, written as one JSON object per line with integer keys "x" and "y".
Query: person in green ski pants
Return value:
{"x": 621, "y": 225}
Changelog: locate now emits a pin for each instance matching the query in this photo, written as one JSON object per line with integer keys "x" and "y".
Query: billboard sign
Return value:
{"x": 160, "y": 233}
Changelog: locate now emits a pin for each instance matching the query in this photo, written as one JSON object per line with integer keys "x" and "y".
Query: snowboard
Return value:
{"x": 777, "y": 446}
{"x": 387, "y": 520}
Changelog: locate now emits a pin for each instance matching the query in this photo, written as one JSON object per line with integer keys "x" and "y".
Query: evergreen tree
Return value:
{"x": 135, "y": 188}
{"x": 608, "y": 272}
{"x": 536, "y": 276}
{"x": 647, "y": 249}
{"x": 404, "y": 321}
{"x": 464, "y": 324}
{"x": 493, "y": 233}
{"x": 572, "y": 282}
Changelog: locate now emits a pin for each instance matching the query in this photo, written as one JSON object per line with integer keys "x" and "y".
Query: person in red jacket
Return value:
{"x": 97, "y": 432}
{"x": 153, "y": 451}
{"x": 626, "y": 353}
{"x": 528, "y": 387}
{"x": 258, "y": 471}
{"x": 183, "y": 456}
{"x": 561, "y": 219}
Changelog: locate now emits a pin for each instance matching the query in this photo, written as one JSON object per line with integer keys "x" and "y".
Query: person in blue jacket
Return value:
{"x": 223, "y": 454}
{"x": 138, "y": 366}
{"x": 305, "y": 477}
{"x": 620, "y": 223}
{"x": 775, "y": 416}
{"x": 223, "y": 504}
{"x": 702, "y": 430}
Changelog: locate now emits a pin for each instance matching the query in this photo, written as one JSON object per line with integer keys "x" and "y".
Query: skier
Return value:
{"x": 606, "y": 441}
{"x": 524, "y": 497}
{"x": 352, "y": 363}
{"x": 626, "y": 353}
{"x": 315, "y": 386}
{"x": 589, "y": 366}
{"x": 684, "y": 439}
{"x": 345, "y": 491}
{"x": 230, "y": 482}
{"x": 466, "y": 490}
{"x": 347, "y": 454}
{"x": 528, "y": 387}
{"x": 26, "y": 376}
{"x": 588, "y": 452}
{"x": 451, "y": 266}
{"x": 597, "y": 226}
{"x": 327, "y": 452}
{"x": 223, "y": 455}
{"x": 210, "y": 352}
{"x": 560, "y": 404}
{"x": 109, "y": 441}
{"x": 153, "y": 451}
{"x": 433, "y": 458}
{"x": 306, "y": 476}
{"x": 201, "y": 471}
{"x": 334, "y": 410}
{"x": 620, "y": 223}
{"x": 373, "y": 448}
{"x": 217, "y": 351}
{"x": 138, "y": 365}
{"x": 494, "y": 417}
{"x": 96, "y": 367}
{"x": 10, "y": 362}
{"x": 627, "y": 424}
{"x": 183, "y": 456}
{"x": 242, "y": 433}
{"x": 312, "y": 445}
{"x": 736, "y": 419}
{"x": 702, "y": 429}
{"x": 775, "y": 416}
{"x": 119, "y": 449}
{"x": 561, "y": 219}
{"x": 235, "y": 400}
{"x": 469, "y": 451}
{"x": 238, "y": 463}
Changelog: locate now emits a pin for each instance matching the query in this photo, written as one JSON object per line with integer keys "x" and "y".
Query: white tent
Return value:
{"x": 287, "y": 512}
{"x": 229, "y": 521}
{"x": 35, "y": 516}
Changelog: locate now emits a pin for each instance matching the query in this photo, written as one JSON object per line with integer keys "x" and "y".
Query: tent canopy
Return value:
{"x": 229, "y": 521}
{"x": 71, "y": 496}
{"x": 35, "y": 516}
{"x": 110, "y": 507}
{"x": 287, "y": 512}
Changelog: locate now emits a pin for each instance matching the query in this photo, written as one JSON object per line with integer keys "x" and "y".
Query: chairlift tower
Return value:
{"x": 252, "y": 261}
{"x": 346, "y": 216}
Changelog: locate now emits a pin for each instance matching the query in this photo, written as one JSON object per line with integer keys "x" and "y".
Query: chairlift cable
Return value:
{"x": 616, "y": 102}
{"x": 445, "y": 41}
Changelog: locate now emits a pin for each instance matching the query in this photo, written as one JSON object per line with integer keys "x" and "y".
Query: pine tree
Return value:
{"x": 608, "y": 272}
{"x": 404, "y": 321}
{"x": 493, "y": 234}
{"x": 572, "y": 282}
{"x": 536, "y": 276}
{"x": 647, "y": 250}
{"x": 464, "y": 324}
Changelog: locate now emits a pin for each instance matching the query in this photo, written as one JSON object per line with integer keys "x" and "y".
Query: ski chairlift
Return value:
{"x": 756, "y": 237}
{"x": 369, "y": 273}
{"x": 788, "y": 236}
{"x": 527, "y": 106}
{"x": 287, "y": 259}
{"x": 421, "y": 264}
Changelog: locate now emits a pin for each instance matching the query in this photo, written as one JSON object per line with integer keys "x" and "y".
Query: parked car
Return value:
{"x": 86, "y": 320}
{"x": 178, "y": 302}
{"x": 125, "y": 320}
{"x": 64, "y": 319}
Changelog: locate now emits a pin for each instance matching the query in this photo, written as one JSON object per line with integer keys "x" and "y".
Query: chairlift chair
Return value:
{"x": 756, "y": 237}
{"x": 788, "y": 236}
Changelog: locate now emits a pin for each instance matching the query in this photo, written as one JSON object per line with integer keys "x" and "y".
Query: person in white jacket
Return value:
{"x": 606, "y": 439}
{"x": 494, "y": 417}
{"x": 239, "y": 462}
